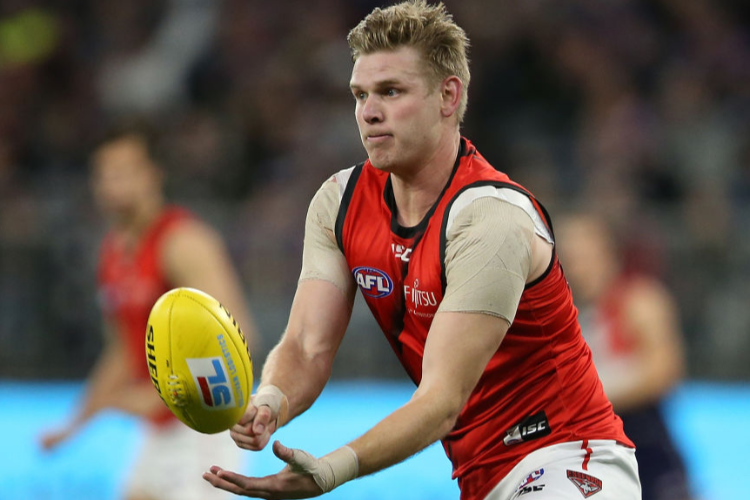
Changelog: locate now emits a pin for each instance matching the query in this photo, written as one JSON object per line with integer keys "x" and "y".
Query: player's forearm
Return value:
{"x": 458, "y": 349}
{"x": 425, "y": 419}
{"x": 300, "y": 364}
{"x": 429, "y": 416}
{"x": 300, "y": 374}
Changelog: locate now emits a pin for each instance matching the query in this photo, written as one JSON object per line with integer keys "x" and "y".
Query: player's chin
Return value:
{"x": 380, "y": 162}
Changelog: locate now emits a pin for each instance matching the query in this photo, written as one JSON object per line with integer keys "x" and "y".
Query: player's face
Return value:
{"x": 123, "y": 177}
{"x": 398, "y": 110}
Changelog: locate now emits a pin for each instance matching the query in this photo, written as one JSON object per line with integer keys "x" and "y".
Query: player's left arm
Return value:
{"x": 194, "y": 255}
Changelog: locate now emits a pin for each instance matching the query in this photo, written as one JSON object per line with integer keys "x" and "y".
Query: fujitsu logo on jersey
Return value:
{"x": 417, "y": 297}
{"x": 373, "y": 282}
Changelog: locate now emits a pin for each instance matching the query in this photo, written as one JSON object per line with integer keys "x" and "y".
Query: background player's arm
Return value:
{"x": 104, "y": 383}
{"x": 194, "y": 255}
{"x": 651, "y": 318}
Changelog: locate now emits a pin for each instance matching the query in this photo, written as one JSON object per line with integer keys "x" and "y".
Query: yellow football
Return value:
{"x": 198, "y": 359}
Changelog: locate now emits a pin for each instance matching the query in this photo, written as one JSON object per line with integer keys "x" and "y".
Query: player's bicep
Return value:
{"x": 318, "y": 319}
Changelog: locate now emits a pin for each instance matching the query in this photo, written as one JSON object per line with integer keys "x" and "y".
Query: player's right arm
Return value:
{"x": 298, "y": 368}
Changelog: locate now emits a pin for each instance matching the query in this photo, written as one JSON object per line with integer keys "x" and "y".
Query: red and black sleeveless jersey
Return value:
{"x": 540, "y": 388}
{"x": 130, "y": 280}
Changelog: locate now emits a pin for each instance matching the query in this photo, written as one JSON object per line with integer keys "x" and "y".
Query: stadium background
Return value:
{"x": 638, "y": 108}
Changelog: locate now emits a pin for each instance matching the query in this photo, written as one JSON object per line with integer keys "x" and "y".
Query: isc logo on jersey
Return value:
{"x": 210, "y": 376}
{"x": 373, "y": 282}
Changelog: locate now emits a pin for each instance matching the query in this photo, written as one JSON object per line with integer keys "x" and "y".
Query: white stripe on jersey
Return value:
{"x": 506, "y": 194}
{"x": 342, "y": 179}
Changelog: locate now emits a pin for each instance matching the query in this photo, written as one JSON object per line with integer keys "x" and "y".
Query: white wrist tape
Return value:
{"x": 271, "y": 396}
{"x": 330, "y": 471}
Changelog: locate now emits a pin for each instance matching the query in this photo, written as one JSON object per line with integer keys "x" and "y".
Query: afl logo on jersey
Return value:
{"x": 373, "y": 282}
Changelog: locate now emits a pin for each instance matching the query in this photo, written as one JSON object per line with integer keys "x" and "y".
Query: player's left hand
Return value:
{"x": 294, "y": 481}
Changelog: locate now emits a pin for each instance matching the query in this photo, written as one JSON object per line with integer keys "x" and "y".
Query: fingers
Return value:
{"x": 250, "y": 442}
{"x": 284, "y": 484}
{"x": 246, "y": 439}
{"x": 249, "y": 415}
{"x": 299, "y": 461}
{"x": 282, "y": 452}
{"x": 253, "y": 431}
{"x": 262, "y": 419}
{"x": 228, "y": 481}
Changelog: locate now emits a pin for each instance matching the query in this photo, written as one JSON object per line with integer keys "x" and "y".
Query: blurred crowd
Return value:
{"x": 639, "y": 109}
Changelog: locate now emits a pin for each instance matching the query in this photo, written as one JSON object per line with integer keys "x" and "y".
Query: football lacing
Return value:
{"x": 176, "y": 390}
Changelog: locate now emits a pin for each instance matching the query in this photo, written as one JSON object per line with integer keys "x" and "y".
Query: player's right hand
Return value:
{"x": 260, "y": 420}
{"x": 254, "y": 429}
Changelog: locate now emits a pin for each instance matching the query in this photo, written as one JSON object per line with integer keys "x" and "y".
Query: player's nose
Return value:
{"x": 372, "y": 111}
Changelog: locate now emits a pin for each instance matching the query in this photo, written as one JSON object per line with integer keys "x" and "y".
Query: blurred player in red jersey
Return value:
{"x": 458, "y": 265}
{"x": 151, "y": 247}
{"x": 631, "y": 322}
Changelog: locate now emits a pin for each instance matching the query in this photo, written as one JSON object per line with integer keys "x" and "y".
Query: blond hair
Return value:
{"x": 428, "y": 28}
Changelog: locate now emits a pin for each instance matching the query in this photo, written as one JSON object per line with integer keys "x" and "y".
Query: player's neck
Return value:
{"x": 416, "y": 193}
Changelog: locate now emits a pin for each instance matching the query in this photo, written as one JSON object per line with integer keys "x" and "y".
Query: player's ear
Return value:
{"x": 451, "y": 90}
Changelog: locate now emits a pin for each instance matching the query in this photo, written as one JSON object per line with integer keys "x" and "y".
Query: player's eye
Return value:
{"x": 360, "y": 96}
{"x": 391, "y": 92}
